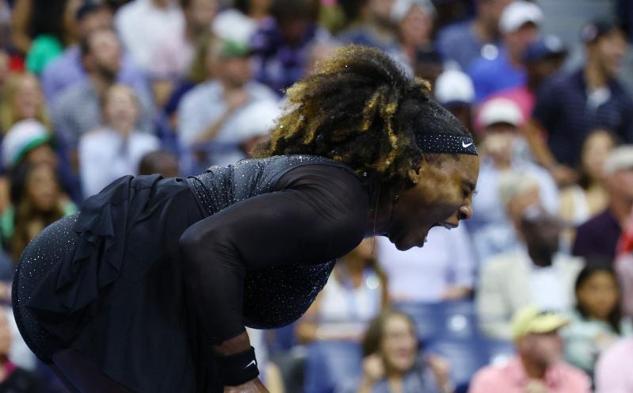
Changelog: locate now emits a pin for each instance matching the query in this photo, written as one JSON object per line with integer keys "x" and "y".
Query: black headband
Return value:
{"x": 446, "y": 143}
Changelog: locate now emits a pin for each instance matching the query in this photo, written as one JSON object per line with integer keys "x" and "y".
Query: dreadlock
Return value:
{"x": 359, "y": 108}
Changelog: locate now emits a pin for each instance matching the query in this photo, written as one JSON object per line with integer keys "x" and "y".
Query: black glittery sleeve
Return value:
{"x": 316, "y": 214}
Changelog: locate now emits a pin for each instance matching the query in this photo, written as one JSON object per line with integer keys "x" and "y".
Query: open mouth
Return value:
{"x": 445, "y": 225}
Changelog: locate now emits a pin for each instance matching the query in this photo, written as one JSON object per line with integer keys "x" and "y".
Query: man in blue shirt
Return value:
{"x": 503, "y": 69}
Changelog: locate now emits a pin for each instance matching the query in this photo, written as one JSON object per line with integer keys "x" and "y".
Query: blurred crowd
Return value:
{"x": 533, "y": 294}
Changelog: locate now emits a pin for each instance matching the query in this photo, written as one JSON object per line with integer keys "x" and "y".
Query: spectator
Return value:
{"x": 28, "y": 140}
{"x": 354, "y": 294}
{"x": 160, "y": 161}
{"x": 597, "y": 319}
{"x": 464, "y": 42}
{"x": 415, "y": 26}
{"x": 503, "y": 149}
{"x": 581, "y": 201}
{"x": 22, "y": 100}
{"x": 67, "y": 70}
{"x": 145, "y": 24}
{"x": 535, "y": 274}
{"x": 542, "y": 58}
{"x": 519, "y": 25}
{"x": 572, "y": 104}
{"x": 42, "y": 27}
{"x": 373, "y": 26}
{"x": 243, "y": 20}
{"x": 443, "y": 270}
{"x": 624, "y": 266}
{"x": 77, "y": 109}
{"x": 454, "y": 90}
{"x": 281, "y": 45}
{"x": 613, "y": 370}
{"x": 211, "y": 125}
{"x": 38, "y": 202}
{"x": 115, "y": 150}
{"x": 174, "y": 55}
{"x": 393, "y": 360}
{"x": 538, "y": 366}
{"x": 598, "y": 237}
{"x": 13, "y": 378}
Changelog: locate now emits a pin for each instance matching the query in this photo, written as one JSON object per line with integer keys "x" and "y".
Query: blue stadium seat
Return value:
{"x": 330, "y": 363}
{"x": 451, "y": 320}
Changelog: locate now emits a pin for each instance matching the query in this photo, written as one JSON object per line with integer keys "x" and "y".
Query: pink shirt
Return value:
{"x": 614, "y": 371}
{"x": 511, "y": 378}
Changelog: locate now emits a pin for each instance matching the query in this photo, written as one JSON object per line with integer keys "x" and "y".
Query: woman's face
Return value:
{"x": 28, "y": 98}
{"x": 442, "y": 197}
{"x": 42, "y": 188}
{"x": 595, "y": 152}
{"x": 599, "y": 295}
{"x": 121, "y": 108}
{"x": 399, "y": 345}
{"x": 416, "y": 26}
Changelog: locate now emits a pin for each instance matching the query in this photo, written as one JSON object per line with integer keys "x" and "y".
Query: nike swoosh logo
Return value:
{"x": 251, "y": 363}
{"x": 466, "y": 145}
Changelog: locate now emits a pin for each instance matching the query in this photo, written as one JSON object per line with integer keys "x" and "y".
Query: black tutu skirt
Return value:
{"x": 108, "y": 283}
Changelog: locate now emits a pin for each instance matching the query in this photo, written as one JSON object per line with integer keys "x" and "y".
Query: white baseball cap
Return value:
{"x": 620, "y": 158}
{"x": 517, "y": 14}
{"x": 21, "y": 138}
{"x": 500, "y": 110}
{"x": 454, "y": 86}
{"x": 401, "y": 8}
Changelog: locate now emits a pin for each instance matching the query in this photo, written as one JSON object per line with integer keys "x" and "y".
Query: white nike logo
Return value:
{"x": 465, "y": 145}
{"x": 251, "y": 363}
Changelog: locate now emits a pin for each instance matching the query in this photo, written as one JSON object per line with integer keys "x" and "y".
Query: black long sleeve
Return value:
{"x": 318, "y": 213}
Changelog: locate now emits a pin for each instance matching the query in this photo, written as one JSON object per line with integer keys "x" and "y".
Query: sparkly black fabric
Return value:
{"x": 446, "y": 143}
{"x": 113, "y": 283}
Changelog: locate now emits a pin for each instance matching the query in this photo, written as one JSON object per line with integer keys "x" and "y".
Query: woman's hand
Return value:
{"x": 252, "y": 386}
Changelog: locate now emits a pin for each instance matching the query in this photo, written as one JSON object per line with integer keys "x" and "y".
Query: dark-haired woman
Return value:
{"x": 157, "y": 277}
{"x": 597, "y": 321}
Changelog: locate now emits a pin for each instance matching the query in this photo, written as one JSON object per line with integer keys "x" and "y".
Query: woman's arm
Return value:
{"x": 318, "y": 217}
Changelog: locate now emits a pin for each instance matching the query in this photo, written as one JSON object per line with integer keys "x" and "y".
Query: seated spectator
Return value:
{"x": 597, "y": 321}
{"x": 533, "y": 274}
{"x": 455, "y": 91}
{"x": 49, "y": 27}
{"x": 30, "y": 141}
{"x": 414, "y": 19}
{"x": 68, "y": 70}
{"x": 77, "y": 109}
{"x": 173, "y": 57}
{"x": 38, "y": 202}
{"x": 581, "y": 201}
{"x": 598, "y": 237}
{"x": 160, "y": 161}
{"x": 12, "y": 377}
{"x": 354, "y": 294}
{"x": 570, "y": 105}
{"x": 281, "y": 44}
{"x": 443, "y": 270}
{"x": 115, "y": 150}
{"x": 373, "y": 26}
{"x": 145, "y": 24}
{"x": 542, "y": 59}
{"x": 22, "y": 99}
{"x": 519, "y": 24}
{"x": 464, "y": 42}
{"x": 503, "y": 149}
{"x": 624, "y": 266}
{"x": 211, "y": 125}
{"x": 393, "y": 360}
{"x": 613, "y": 370}
{"x": 538, "y": 366}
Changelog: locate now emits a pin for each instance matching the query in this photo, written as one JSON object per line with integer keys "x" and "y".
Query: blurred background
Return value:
{"x": 534, "y": 294}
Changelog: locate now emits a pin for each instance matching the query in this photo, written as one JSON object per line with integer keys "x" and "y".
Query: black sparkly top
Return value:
{"x": 278, "y": 223}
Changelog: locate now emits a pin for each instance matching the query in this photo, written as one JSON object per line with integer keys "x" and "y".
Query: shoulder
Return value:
{"x": 487, "y": 378}
{"x": 594, "y": 224}
{"x": 199, "y": 93}
{"x": 454, "y": 32}
{"x": 574, "y": 376}
{"x": 503, "y": 263}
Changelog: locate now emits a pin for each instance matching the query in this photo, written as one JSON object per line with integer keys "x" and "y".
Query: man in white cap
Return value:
{"x": 598, "y": 237}
{"x": 503, "y": 149}
{"x": 454, "y": 90}
{"x": 493, "y": 72}
{"x": 538, "y": 367}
